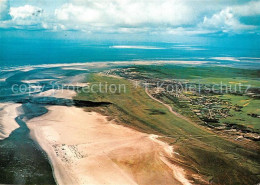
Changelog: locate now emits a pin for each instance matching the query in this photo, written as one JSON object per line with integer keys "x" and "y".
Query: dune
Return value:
{"x": 86, "y": 148}
{"x": 8, "y": 113}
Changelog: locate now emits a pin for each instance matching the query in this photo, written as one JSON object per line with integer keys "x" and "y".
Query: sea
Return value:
{"x": 25, "y": 52}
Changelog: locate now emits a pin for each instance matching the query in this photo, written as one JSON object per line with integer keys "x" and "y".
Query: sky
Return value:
{"x": 132, "y": 17}
{"x": 47, "y": 31}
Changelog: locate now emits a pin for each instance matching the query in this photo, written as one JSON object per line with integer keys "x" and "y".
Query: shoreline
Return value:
{"x": 8, "y": 113}
{"x": 103, "y": 143}
{"x": 78, "y": 66}
{"x": 53, "y": 163}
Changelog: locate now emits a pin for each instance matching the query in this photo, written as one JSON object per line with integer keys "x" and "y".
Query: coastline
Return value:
{"x": 8, "y": 113}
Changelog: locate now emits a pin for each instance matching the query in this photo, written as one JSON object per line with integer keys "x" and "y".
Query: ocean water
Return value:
{"x": 20, "y": 52}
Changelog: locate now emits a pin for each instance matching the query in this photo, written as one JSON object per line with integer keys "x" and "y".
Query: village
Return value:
{"x": 195, "y": 101}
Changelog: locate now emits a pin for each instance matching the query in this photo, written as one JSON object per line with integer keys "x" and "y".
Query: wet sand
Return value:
{"x": 8, "y": 113}
{"x": 86, "y": 148}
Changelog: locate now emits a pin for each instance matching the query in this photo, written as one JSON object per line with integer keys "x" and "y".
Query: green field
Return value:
{"x": 249, "y": 107}
{"x": 203, "y": 75}
{"x": 216, "y": 159}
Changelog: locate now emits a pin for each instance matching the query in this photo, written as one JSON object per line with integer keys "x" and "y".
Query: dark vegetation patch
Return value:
{"x": 62, "y": 102}
{"x": 155, "y": 112}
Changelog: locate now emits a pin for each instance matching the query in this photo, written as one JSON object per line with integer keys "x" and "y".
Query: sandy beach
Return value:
{"x": 8, "y": 113}
{"x": 86, "y": 148}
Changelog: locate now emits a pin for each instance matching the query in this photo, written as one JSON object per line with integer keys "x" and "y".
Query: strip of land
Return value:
{"x": 8, "y": 113}
{"x": 86, "y": 148}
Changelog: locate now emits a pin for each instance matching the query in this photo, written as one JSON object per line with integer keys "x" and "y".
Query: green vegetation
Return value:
{"x": 203, "y": 75}
{"x": 247, "y": 113}
{"x": 218, "y": 160}
{"x": 240, "y": 109}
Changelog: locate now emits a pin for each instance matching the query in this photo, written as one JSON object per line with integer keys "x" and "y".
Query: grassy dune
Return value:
{"x": 218, "y": 160}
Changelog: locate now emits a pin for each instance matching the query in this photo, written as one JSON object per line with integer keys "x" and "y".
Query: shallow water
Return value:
{"x": 22, "y": 161}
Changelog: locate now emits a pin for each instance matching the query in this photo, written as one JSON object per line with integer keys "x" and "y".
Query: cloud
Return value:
{"x": 70, "y": 12}
{"x": 250, "y": 9}
{"x": 172, "y": 17}
{"x": 25, "y": 17}
{"x": 166, "y": 16}
{"x": 127, "y": 13}
{"x": 228, "y": 18}
{"x": 187, "y": 31}
{"x": 24, "y": 12}
{"x": 225, "y": 20}
{"x": 4, "y": 10}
